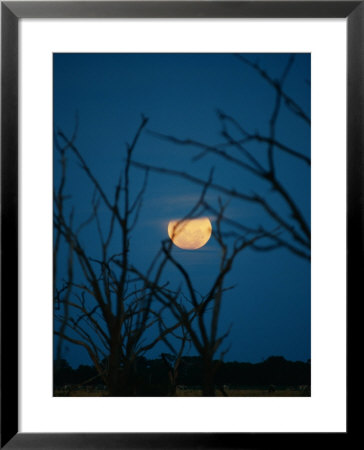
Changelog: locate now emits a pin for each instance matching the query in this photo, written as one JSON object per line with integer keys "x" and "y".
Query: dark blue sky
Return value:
{"x": 269, "y": 308}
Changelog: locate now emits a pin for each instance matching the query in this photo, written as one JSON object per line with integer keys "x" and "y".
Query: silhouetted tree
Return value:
{"x": 288, "y": 225}
{"x": 202, "y": 320}
{"x": 109, "y": 312}
{"x": 103, "y": 310}
{"x": 242, "y": 148}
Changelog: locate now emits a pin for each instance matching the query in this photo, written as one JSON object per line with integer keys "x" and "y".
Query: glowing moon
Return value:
{"x": 190, "y": 234}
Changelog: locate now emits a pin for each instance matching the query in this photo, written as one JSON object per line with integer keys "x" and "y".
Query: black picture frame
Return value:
{"x": 11, "y": 12}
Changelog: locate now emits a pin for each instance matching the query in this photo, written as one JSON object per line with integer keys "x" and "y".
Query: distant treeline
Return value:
{"x": 275, "y": 370}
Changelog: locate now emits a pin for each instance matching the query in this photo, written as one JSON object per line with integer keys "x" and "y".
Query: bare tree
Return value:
{"x": 103, "y": 308}
{"x": 110, "y": 311}
{"x": 290, "y": 227}
{"x": 201, "y": 318}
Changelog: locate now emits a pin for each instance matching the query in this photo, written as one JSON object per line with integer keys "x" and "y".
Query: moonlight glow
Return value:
{"x": 190, "y": 234}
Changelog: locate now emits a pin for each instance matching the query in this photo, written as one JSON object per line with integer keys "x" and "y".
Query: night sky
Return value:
{"x": 269, "y": 306}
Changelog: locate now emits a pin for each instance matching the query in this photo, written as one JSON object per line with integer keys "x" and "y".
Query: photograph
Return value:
{"x": 181, "y": 225}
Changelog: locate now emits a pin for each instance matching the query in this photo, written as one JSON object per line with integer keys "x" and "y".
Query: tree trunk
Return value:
{"x": 113, "y": 381}
{"x": 117, "y": 376}
{"x": 208, "y": 387}
{"x": 122, "y": 381}
{"x": 172, "y": 388}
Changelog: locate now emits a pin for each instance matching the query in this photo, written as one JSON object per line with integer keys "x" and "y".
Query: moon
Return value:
{"x": 190, "y": 234}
